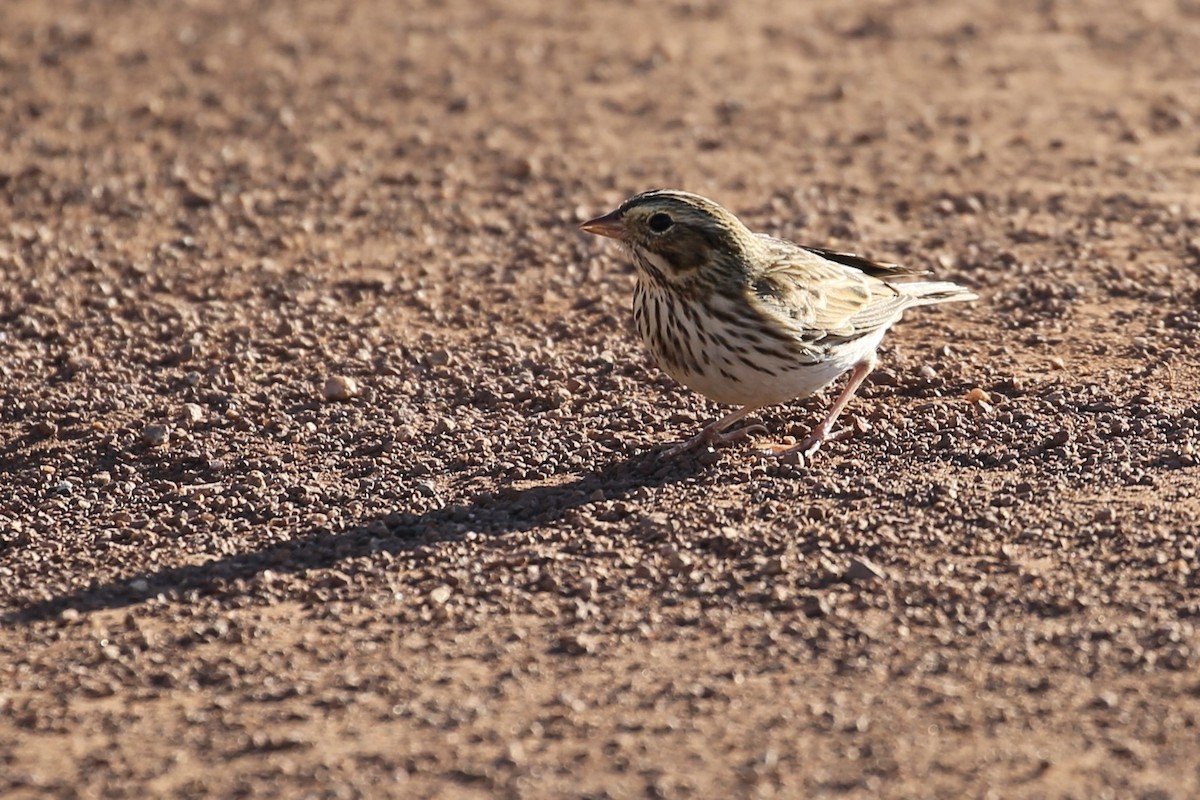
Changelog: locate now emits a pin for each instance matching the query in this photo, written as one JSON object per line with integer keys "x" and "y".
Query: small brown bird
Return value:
{"x": 750, "y": 320}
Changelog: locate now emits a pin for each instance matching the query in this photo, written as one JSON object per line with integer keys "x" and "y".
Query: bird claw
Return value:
{"x": 707, "y": 437}
{"x": 799, "y": 453}
{"x": 738, "y": 434}
{"x": 791, "y": 456}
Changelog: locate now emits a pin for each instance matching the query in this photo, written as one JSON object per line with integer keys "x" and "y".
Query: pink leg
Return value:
{"x": 822, "y": 432}
{"x": 712, "y": 433}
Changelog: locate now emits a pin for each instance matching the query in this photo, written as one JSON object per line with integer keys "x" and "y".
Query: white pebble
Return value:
{"x": 192, "y": 413}
{"x": 339, "y": 387}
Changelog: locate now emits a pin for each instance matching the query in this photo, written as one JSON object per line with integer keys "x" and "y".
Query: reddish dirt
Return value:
{"x": 476, "y": 577}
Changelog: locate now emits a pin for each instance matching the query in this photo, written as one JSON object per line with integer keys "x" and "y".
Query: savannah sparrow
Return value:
{"x": 750, "y": 320}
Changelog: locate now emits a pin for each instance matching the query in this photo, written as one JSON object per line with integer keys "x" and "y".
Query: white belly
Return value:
{"x": 750, "y": 378}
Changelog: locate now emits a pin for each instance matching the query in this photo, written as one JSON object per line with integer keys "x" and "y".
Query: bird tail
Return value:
{"x": 927, "y": 293}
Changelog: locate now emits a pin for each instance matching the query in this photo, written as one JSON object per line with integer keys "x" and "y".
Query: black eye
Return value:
{"x": 660, "y": 222}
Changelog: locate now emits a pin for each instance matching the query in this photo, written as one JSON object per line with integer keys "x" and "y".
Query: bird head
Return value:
{"x": 676, "y": 237}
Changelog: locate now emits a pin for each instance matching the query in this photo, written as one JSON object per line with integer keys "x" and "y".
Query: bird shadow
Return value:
{"x": 496, "y": 513}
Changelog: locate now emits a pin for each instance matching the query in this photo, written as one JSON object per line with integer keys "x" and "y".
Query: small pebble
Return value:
{"x": 977, "y": 395}
{"x": 861, "y": 569}
{"x": 156, "y": 435}
{"x": 45, "y": 428}
{"x": 1058, "y": 438}
{"x": 815, "y": 605}
{"x": 339, "y": 387}
{"x": 577, "y": 644}
{"x": 192, "y": 414}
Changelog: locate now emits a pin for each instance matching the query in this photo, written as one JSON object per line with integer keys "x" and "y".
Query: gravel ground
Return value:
{"x": 333, "y": 464}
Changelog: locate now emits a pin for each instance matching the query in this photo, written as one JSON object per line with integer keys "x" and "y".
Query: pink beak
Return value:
{"x": 609, "y": 225}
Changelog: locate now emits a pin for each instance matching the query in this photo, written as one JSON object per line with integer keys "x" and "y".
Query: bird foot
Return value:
{"x": 799, "y": 453}
{"x": 709, "y": 436}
